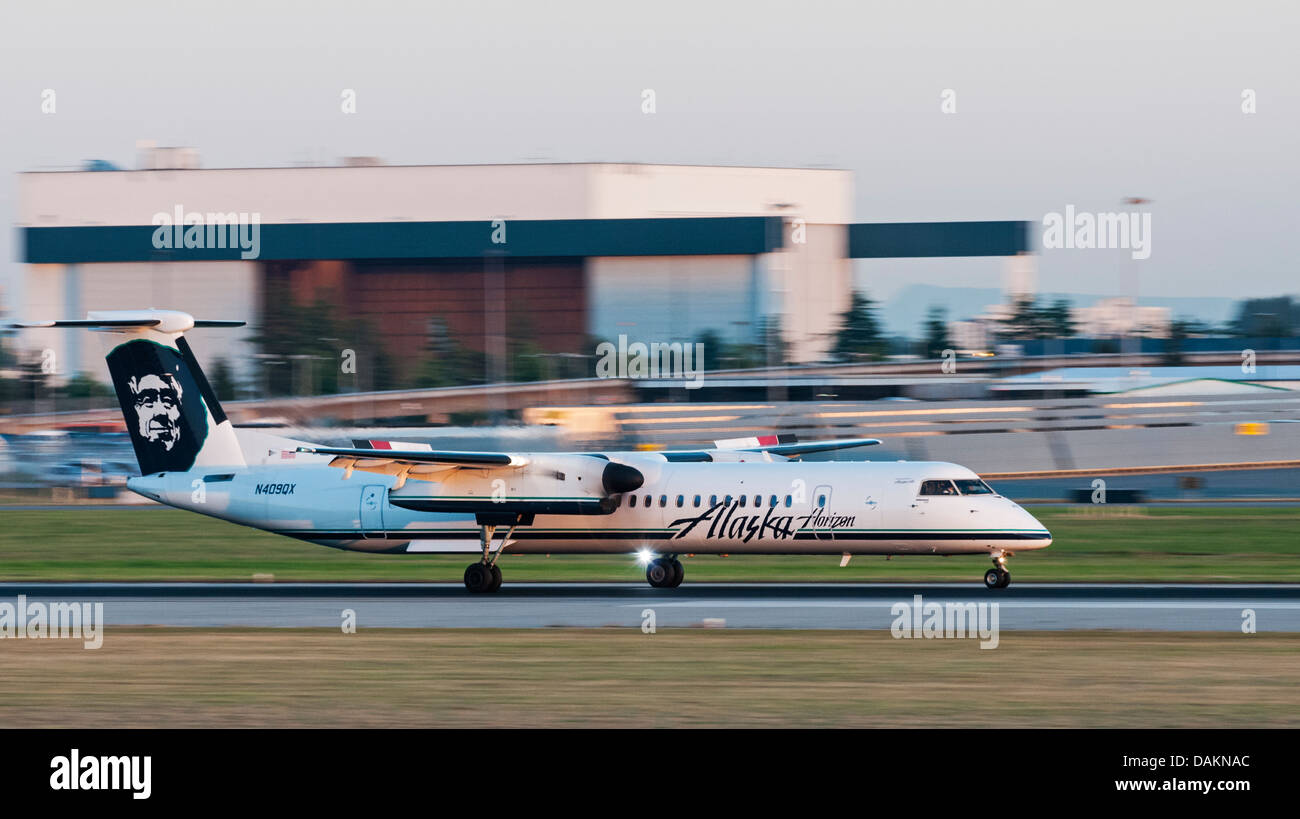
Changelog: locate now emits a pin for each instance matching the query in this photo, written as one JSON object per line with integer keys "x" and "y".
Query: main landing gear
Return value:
{"x": 998, "y": 577}
{"x": 485, "y": 576}
{"x": 665, "y": 573}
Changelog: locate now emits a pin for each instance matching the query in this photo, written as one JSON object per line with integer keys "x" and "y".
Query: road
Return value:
{"x": 1276, "y": 607}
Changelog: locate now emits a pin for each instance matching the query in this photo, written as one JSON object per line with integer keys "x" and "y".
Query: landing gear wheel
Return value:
{"x": 479, "y": 578}
{"x": 997, "y": 578}
{"x": 496, "y": 578}
{"x": 660, "y": 574}
{"x": 678, "y": 573}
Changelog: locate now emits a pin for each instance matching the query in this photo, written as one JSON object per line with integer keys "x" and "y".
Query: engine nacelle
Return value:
{"x": 548, "y": 484}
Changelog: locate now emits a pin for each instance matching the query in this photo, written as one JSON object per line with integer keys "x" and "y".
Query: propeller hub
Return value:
{"x": 619, "y": 478}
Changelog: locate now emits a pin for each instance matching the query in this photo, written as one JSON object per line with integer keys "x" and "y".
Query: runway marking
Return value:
{"x": 865, "y": 604}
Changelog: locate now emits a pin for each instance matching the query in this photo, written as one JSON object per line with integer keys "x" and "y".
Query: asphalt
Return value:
{"x": 1276, "y": 607}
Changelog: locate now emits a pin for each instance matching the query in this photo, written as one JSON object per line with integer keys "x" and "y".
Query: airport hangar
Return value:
{"x": 653, "y": 252}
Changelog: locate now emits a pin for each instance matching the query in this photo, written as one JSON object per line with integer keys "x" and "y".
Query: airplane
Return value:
{"x": 745, "y": 496}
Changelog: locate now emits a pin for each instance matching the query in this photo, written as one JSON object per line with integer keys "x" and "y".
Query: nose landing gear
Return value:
{"x": 665, "y": 573}
{"x": 998, "y": 577}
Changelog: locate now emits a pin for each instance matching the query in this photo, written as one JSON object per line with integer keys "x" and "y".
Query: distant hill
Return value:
{"x": 904, "y": 313}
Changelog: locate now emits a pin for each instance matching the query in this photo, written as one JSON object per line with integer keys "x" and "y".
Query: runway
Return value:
{"x": 1030, "y": 606}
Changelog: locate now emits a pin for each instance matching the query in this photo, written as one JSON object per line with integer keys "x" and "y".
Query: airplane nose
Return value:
{"x": 1034, "y": 523}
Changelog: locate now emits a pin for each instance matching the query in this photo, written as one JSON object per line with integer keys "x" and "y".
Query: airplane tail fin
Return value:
{"x": 171, "y": 412}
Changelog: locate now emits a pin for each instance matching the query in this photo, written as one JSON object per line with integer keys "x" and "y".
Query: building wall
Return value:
{"x": 671, "y": 298}
{"x": 557, "y": 301}
{"x": 366, "y": 194}
{"x": 543, "y": 300}
{"x": 629, "y": 191}
{"x": 812, "y": 282}
{"x": 214, "y": 290}
{"x": 435, "y": 193}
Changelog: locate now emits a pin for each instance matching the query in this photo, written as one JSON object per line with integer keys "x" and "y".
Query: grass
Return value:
{"x": 150, "y": 543}
{"x": 574, "y": 678}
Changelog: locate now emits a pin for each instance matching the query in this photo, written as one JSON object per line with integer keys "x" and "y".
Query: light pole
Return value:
{"x": 1134, "y": 201}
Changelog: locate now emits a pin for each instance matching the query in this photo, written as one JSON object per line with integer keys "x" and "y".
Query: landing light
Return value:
{"x": 644, "y": 556}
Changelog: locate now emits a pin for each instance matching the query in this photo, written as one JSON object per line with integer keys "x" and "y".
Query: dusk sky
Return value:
{"x": 1056, "y": 105}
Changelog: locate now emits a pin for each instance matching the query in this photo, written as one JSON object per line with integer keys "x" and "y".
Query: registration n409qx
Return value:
{"x": 750, "y": 496}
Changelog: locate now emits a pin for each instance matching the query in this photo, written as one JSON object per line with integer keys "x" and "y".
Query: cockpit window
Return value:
{"x": 938, "y": 488}
{"x": 974, "y": 487}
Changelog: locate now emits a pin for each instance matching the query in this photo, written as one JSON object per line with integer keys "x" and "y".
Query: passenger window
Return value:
{"x": 713, "y": 500}
{"x": 728, "y": 500}
{"x": 789, "y": 501}
{"x": 681, "y": 501}
{"x": 938, "y": 488}
{"x": 772, "y": 501}
{"x": 648, "y": 500}
{"x": 758, "y": 501}
{"x": 663, "y": 501}
{"x": 821, "y": 501}
{"x": 631, "y": 501}
{"x": 743, "y": 498}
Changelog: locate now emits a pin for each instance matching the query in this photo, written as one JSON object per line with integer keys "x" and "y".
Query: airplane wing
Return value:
{"x": 471, "y": 460}
{"x": 545, "y": 484}
{"x": 786, "y": 446}
{"x": 794, "y": 449}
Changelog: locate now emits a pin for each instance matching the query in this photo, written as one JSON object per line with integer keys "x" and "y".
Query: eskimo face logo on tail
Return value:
{"x": 161, "y": 403}
{"x": 158, "y": 408}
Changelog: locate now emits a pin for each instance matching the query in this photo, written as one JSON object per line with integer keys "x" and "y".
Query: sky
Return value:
{"x": 1056, "y": 104}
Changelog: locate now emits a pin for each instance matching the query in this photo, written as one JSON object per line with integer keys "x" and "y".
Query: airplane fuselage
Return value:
{"x": 743, "y": 495}
{"x": 705, "y": 508}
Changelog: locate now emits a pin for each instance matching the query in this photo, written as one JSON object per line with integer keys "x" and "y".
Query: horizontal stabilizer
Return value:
{"x": 89, "y": 324}
{"x": 172, "y": 322}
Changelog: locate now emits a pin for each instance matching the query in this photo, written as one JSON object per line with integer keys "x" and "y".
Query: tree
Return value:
{"x": 222, "y": 379}
{"x": 713, "y": 349}
{"x": 1058, "y": 318}
{"x": 1178, "y": 332}
{"x": 859, "y": 333}
{"x": 936, "y": 332}
{"x": 1029, "y": 321}
{"x": 448, "y": 364}
{"x": 1277, "y": 317}
{"x": 84, "y": 386}
{"x": 776, "y": 351}
{"x": 304, "y": 346}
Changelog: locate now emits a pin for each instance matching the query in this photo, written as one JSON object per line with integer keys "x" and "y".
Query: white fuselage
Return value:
{"x": 788, "y": 507}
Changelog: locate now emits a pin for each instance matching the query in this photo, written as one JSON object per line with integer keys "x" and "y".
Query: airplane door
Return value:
{"x": 372, "y": 511}
{"x": 821, "y": 501}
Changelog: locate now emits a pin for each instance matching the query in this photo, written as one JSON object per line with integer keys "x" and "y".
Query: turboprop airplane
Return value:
{"x": 748, "y": 496}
